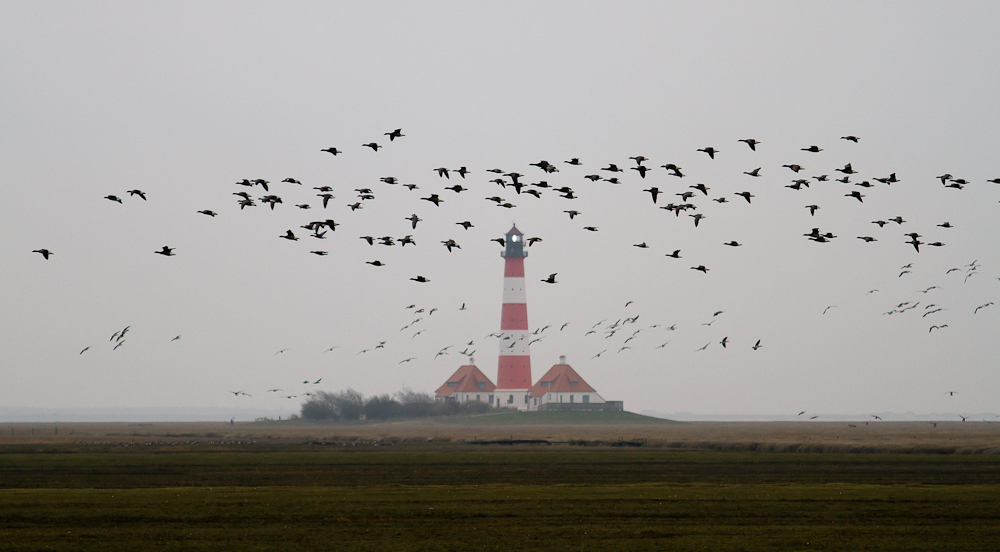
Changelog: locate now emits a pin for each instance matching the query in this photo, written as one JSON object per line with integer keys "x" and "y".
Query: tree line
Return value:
{"x": 352, "y": 405}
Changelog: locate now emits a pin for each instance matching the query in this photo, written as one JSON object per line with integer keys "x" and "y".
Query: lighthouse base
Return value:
{"x": 511, "y": 398}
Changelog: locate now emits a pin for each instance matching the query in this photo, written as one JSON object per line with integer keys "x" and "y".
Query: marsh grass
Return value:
{"x": 338, "y": 487}
{"x": 446, "y": 465}
{"x": 649, "y": 516}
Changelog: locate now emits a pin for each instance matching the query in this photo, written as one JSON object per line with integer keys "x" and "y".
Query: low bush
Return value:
{"x": 351, "y": 405}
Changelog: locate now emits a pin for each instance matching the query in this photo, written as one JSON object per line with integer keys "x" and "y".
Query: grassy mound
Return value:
{"x": 556, "y": 417}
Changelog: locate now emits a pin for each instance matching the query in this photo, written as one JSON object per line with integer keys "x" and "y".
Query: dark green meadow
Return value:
{"x": 462, "y": 497}
{"x": 507, "y": 517}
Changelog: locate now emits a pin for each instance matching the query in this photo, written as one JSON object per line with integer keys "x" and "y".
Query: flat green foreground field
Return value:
{"x": 336, "y": 466}
{"x": 440, "y": 485}
{"x": 450, "y": 497}
{"x": 647, "y": 516}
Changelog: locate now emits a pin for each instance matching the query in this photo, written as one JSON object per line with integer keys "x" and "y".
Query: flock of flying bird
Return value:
{"x": 507, "y": 182}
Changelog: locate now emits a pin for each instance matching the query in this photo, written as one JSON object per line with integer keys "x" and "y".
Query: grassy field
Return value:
{"x": 506, "y": 517}
{"x": 428, "y": 486}
{"x": 556, "y": 427}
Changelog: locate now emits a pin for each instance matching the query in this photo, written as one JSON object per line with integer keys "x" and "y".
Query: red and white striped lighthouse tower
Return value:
{"x": 514, "y": 370}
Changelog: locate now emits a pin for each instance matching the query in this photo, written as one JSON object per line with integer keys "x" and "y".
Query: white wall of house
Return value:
{"x": 464, "y": 397}
{"x": 575, "y": 397}
{"x": 515, "y": 398}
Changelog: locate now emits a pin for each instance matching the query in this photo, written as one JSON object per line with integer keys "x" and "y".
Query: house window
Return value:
{"x": 586, "y": 398}
{"x": 571, "y": 398}
{"x": 477, "y": 397}
{"x": 510, "y": 399}
{"x": 560, "y": 398}
{"x": 482, "y": 385}
{"x": 491, "y": 399}
{"x": 536, "y": 401}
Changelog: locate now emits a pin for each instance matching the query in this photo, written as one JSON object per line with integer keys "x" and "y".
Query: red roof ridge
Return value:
{"x": 466, "y": 380}
{"x": 561, "y": 378}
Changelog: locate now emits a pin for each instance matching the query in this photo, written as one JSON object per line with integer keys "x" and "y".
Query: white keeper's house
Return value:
{"x": 562, "y": 388}
{"x": 468, "y": 383}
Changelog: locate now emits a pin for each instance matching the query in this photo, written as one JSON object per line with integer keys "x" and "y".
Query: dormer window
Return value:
{"x": 481, "y": 385}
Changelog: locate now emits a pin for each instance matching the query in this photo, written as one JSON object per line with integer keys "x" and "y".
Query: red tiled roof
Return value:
{"x": 561, "y": 378}
{"x": 466, "y": 380}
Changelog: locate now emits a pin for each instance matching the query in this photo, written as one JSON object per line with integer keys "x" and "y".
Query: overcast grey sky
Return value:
{"x": 183, "y": 99}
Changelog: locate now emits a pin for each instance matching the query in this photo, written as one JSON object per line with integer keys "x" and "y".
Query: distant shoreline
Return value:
{"x": 10, "y": 414}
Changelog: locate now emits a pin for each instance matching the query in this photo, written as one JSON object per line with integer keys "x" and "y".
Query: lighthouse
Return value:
{"x": 514, "y": 370}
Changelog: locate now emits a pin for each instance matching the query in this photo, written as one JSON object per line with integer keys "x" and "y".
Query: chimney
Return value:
{"x": 562, "y": 359}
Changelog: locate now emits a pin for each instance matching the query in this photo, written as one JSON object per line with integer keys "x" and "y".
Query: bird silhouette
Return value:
{"x": 750, "y": 142}
{"x": 169, "y": 251}
{"x": 551, "y": 279}
{"x": 44, "y": 252}
{"x": 398, "y": 133}
{"x": 372, "y": 145}
{"x": 710, "y": 151}
{"x": 139, "y": 193}
{"x": 420, "y": 279}
{"x": 333, "y": 151}
{"x": 289, "y": 236}
{"x": 700, "y": 268}
{"x": 113, "y": 198}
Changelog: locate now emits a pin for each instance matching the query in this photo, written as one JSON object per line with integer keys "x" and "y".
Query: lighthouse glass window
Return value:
{"x": 514, "y": 238}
